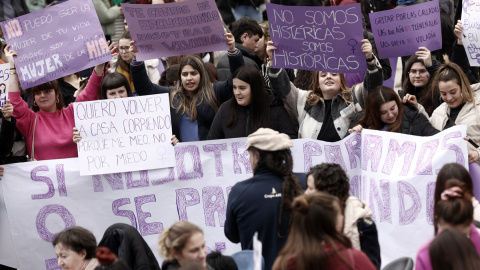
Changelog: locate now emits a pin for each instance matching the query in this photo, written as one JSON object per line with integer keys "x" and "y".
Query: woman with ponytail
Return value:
{"x": 453, "y": 210}
{"x": 262, "y": 203}
{"x": 316, "y": 240}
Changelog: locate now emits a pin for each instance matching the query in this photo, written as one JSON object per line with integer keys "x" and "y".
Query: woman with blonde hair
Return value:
{"x": 181, "y": 244}
{"x": 326, "y": 112}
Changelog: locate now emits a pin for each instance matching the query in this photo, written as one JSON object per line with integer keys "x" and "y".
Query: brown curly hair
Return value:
{"x": 331, "y": 178}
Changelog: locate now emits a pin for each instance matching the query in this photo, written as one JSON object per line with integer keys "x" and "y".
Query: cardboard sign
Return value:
{"x": 471, "y": 30}
{"x": 317, "y": 38}
{"x": 172, "y": 29}
{"x": 395, "y": 175}
{"x": 4, "y": 78}
{"x": 56, "y": 41}
{"x": 401, "y": 31}
{"x": 124, "y": 134}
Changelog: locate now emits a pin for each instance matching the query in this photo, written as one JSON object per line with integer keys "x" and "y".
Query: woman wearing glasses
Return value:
{"x": 125, "y": 57}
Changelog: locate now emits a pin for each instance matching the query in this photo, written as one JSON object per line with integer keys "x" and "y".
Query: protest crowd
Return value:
{"x": 311, "y": 220}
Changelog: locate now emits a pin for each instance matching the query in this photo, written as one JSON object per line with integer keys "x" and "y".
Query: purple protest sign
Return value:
{"x": 172, "y": 29}
{"x": 56, "y": 41}
{"x": 317, "y": 38}
{"x": 399, "y": 32}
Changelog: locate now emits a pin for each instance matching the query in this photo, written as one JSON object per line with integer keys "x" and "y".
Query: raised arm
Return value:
{"x": 141, "y": 81}
{"x": 224, "y": 89}
{"x": 459, "y": 56}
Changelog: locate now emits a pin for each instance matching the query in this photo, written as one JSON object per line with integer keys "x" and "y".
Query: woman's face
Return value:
{"x": 46, "y": 100}
{"x": 120, "y": 92}
{"x": 69, "y": 259}
{"x": 418, "y": 75}
{"x": 242, "y": 92}
{"x": 389, "y": 112}
{"x": 190, "y": 78}
{"x": 451, "y": 93}
{"x": 123, "y": 49}
{"x": 194, "y": 251}
{"x": 310, "y": 185}
{"x": 329, "y": 83}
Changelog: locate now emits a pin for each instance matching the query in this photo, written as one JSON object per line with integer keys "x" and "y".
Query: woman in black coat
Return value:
{"x": 249, "y": 110}
{"x": 385, "y": 111}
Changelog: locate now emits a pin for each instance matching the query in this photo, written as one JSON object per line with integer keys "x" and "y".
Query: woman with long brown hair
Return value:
{"x": 194, "y": 100}
{"x": 384, "y": 111}
{"x": 316, "y": 240}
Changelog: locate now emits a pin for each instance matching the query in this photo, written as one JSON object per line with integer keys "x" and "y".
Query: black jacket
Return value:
{"x": 415, "y": 123}
{"x": 67, "y": 92}
{"x": 19, "y": 8}
{"x": 249, "y": 57}
{"x": 279, "y": 121}
{"x": 127, "y": 243}
{"x": 205, "y": 113}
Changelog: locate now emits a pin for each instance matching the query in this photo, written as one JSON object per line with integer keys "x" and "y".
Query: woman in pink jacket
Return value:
{"x": 47, "y": 128}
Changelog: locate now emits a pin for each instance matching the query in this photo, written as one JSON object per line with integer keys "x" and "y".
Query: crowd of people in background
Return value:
{"x": 315, "y": 223}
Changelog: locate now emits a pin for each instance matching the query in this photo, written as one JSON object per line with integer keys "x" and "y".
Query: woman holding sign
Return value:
{"x": 385, "y": 111}
{"x": 326, "y": 112}
{"x": 195, "y": 100}
{"x": 47, "y": 128}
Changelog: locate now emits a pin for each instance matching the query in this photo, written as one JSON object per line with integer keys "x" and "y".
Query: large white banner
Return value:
{"x": 394, "y": 173}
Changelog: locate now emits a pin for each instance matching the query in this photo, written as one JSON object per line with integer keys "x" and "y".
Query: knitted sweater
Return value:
{"x": 53, "y": 131}
{"x": 311, "y": 118}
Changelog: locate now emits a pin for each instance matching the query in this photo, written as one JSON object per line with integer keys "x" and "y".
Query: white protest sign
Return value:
{"x": 125, "y": 134}
{"x": 395, "y": 174}
{"x": 471, "y": 30}
{"x": 257, "y": 252}
{"x": 4, "y": 78}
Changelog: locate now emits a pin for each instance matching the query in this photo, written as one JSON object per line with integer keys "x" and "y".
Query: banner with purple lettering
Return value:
{"x": 317, "y": 38}
{"x": 124, "y": 134}
{"x": 394, "y": 174}
{"x": 4, "y": 77}
{"x": 56, "y": 41}
{"x": 172, "y": 29}
{"x": 399, "y": 32}
{"x": 471, "y": 30}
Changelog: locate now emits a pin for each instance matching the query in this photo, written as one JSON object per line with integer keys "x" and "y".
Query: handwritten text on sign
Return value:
{"x": 126, "y": 134}
{"x": 317, "y": 38}
{"x": 56, "y": 41}
{"x": 173, "y": 29}
{"x": 471, "y": 30}
{"x": 399, "y": 32}
{"x": 394, "y": 174}
{"x": 4, "y": 77}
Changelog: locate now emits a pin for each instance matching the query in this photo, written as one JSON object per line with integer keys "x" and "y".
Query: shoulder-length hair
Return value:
{"x": 317, "y": 94}
{"x": 451, "y": 175}
{"x": 46, "y": 86}
{"x": 313, "y": 224}
{"x": 112, "y": 81}
{"x": 120, "y": 62}
{"x": 204, "y": 93}
{"x": 425, "y": 99}
{"x": 451, "y": 71}
{"x": 376, "y": 98}
{"x": 259, "y": 102}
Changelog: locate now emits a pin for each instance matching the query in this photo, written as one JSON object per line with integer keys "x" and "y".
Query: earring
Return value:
{"x": 34, "y": 103}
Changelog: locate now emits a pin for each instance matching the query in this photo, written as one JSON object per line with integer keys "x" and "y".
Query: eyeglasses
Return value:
{"x": 419, "y": 71}
{"x": 123, "y": 48}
